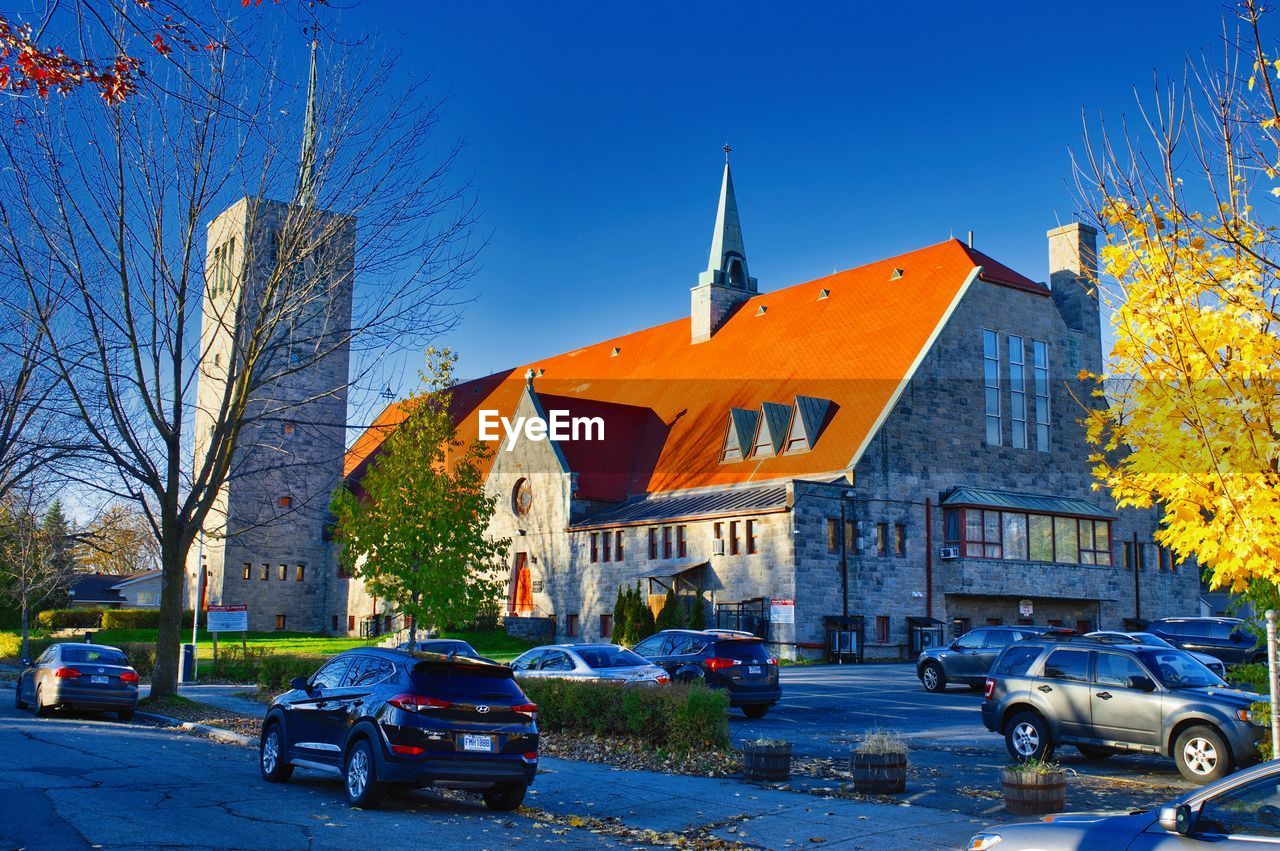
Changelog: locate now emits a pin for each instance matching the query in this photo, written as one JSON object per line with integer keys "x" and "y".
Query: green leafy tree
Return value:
{"x": 417, "y": 533}
{"x": 669, "y": 614}
{"x": 698, "y": 615}
{"x": 620, "y": 626}
{"x": 640, "y": 618}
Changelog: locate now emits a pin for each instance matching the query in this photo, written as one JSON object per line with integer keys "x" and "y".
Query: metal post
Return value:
{"x": 195, "y": 608}
{"x": 1271, "y": 679}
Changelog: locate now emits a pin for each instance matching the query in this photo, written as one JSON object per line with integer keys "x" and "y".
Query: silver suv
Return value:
{"x": 1106, "y": 699}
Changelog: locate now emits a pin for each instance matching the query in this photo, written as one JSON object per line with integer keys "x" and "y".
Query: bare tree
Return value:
{"x": 109, "y": 222}
{"x": 32, "y": 568}
{"x": 119, "y": 541}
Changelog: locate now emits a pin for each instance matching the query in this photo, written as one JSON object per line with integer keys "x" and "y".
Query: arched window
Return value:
{"x": 736, "y": 278}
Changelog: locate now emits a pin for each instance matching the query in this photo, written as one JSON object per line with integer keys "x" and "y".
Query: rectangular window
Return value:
{"x": 1040, "y": 373}
{"x": 995, "y": 621}
{"x": 1066, "y": 545}
{"x": 653, "y": 543}
{"x": 733, "y": 538}
{"x": 682, "y": 541}
{"x": 1095, "y": 542}
{"x": 899, "y": 539}
{"x": 300, "y": 572}
{"x": 1017, "y": 393}
{"x": 282, "y": 572}
{"x": 717, "y": 532}
{"x": 595, "y": 547}
{"x": 571, "y": 626}
{"x": 606, "y": 626}
{"x": 351, "y": 623}
{"x": 666, "y": 542}
{"x": 248, "y": 570}
{"x": 333, "y": 626}
{"x": 882, "y": 629}
{"x": 882, "y": 539}
{"x": 288, "y": 429}
{"x": 851, "y": 536}
{"x": 265, "y": 573}
{"x": 1084, "y": 627}
{"x": 833, "y": 535}
{"x": 951, "y": 525}
{"x": 280, "y": 621}
{"x": 617, "y": 545}
{"x": 1164, "y": 559}
{"x": 991, "y": 385}
{"x": 1126, "y": 554}
{"x": 1014, "y": 540}
{"x": 286, "y": 502}
{"x": 751, "y": 538}
{"x": 605, "y": 548}
{"x": 1040, "y": 537}
{"x": 982, "y": 533}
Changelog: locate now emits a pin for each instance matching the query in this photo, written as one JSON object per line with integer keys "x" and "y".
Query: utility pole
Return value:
{"x": 1272, "y": 681}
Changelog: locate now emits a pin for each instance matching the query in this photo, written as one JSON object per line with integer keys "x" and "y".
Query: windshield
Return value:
{"x": 610, "y": 657}
{"x": 1178, "y": 669}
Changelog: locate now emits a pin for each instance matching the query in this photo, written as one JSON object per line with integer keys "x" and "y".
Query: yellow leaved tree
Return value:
{"x": 1191, "y": 274}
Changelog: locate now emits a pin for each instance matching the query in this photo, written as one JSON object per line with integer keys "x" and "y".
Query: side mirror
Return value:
{"x": 1168, "y": 819}
{"x": 300, "y": 683}
{"x": 1141, "y": 683}
{"x": 1182, "y": 819}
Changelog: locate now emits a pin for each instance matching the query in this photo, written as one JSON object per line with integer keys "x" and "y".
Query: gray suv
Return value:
{"x": 1106, "y": 699}
{"x": 967, "y": 659}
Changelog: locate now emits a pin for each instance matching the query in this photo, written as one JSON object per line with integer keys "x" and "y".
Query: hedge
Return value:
{"x": 270, "y": 671}
{"x": 85, "y": 618}
{"x": 139, "y": 619}
{"x": 674, "y": 717}
{"x": 11, "y": 646}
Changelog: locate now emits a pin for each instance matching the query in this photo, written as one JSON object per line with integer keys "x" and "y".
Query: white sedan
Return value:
{"x": 590, "y": 662}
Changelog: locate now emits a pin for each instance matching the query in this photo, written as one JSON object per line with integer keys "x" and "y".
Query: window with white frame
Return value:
{"x": 1040, "y": 371}
{"x": 1017, "y": 393}
{"x": 991, "y": 384}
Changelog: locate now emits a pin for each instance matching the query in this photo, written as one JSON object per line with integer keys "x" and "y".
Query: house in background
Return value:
{"x": 104, "y": 590}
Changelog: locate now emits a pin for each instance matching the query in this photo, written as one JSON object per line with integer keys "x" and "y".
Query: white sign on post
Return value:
{"x": 782, "y": 611}
{"x": 227, "y": 619}
{"x": 1025, "y": 608}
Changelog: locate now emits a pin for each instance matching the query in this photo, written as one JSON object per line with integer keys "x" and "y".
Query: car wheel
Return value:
{"x": 18, "y": 702}
{"x": 755, "y": 711}
{"x": 1027, "y": 737}
{"x": 932, "y": 677}
{"x": 1202, "y": 755}
{"x": 1095, "y": 751}
{"x": 42, "y": 711}
{"x": 360, "y": 777}
{"x": 271, "y": 761}
{"x": 505, "y": 797}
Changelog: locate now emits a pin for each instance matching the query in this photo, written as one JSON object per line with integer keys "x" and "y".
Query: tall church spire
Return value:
{"x": 727, "y": 264}
{"x": 726, "y": 284}
{"x": 305, "y": 193}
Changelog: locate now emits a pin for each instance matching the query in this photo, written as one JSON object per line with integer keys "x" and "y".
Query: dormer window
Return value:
{"x": 739, "y": 434}
{"x": 797, "y": 441}
{"x": 808, "y": 417}
{"x": 732, "y": 446}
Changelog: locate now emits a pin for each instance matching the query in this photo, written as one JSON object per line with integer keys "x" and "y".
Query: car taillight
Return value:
{"x": 66, "y": 673}
{"x": 530, "y": 756}
{"x": 773, "y": 662}
{"x": 407, "y": 750}
{"x": 716, "y": 663}
{"x": 530, "y": 709}
{"x": 128, "y": 677}
{"x": 662, "y": 679}
{"x": 989, "y": 689}
{"x": 417, "y": 703}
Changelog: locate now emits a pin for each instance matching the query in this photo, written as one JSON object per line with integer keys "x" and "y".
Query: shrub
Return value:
{"x": 84, "y": 618}
{"x": 141, "y": 655}
{"x": 239, "y": 665}
{"x": 880, "y": 743}
{"x": 676, "y": 717}
{"x": 276, "y": 670}
{"x": 11, "y": 646}
{"x": 139, "y": 619}
{"x": 1252, "y": 674}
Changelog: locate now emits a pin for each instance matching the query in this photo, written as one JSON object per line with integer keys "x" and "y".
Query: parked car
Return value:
{"x": 443, "y": 646}
{"x": 737, "y": 662}
{"x": 1107, "y": 698}
{"x": 967, "y": 659}
{"x": 1222, "y": 638}
{"x": 1241, "y": 811}
{"x": 1150, "y": 638}
{"x": 374, "y": 717}
{"x": 589, "y": 662}
{"x": 78, "y": 676}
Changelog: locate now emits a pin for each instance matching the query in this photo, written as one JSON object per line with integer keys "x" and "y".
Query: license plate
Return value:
{"x": 477, "y": 743}
{"x": 754, "y": 669}
{"x": 98, "y": 681}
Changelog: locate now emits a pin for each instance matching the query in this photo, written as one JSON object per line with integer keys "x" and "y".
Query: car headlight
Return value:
{"x": 983, "y": 841}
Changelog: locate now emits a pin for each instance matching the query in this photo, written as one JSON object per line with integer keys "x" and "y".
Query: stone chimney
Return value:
{"x": 1073, "y": 277}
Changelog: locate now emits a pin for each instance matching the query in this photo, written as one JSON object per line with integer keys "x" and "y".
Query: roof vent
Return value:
{"x": 897, "y": 273}
{"x": 615, "y": 352}
{"x": 541, "y": 372}
{"x": 761, "y": 310}
{"x": 823, "y": 294}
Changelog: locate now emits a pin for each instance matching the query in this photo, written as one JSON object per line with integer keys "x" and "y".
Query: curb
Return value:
{"x": 218, "y": 734}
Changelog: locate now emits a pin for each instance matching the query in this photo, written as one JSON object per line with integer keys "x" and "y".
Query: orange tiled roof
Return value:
{"x": 854, "y": 347}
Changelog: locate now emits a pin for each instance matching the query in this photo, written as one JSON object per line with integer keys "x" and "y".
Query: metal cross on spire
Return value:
{"x": 727, "y": 149}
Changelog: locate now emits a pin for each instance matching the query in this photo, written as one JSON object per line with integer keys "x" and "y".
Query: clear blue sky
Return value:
{"x": 594, "y": 134}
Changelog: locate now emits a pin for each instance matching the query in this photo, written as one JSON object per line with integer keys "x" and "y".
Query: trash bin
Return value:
{"x": 187, "y": 670}
{"x": 89, "y": 636}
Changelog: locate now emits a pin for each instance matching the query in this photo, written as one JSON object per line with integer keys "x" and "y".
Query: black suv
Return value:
{"x": 967, "y": 659}
{"x": 734, "y": 661}
{"x": 374, "y": 716}
{"x": 1222, "y": 638}
{"x": 1106, "y": 698}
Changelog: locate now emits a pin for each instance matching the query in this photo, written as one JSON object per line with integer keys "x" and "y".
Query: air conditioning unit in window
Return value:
{"x": 717, "y": 548}
{"x": 948, "y": 553}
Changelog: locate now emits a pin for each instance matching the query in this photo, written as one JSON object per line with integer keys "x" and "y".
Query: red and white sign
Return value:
{"x": 782, "y": 611}
{"x": 228, "y": 619}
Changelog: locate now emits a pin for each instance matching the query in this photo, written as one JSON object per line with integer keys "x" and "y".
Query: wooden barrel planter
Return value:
{"x": 1033, "y": 792}
{"x": 878, "y": 773}
{"x": 766, "y": 762}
